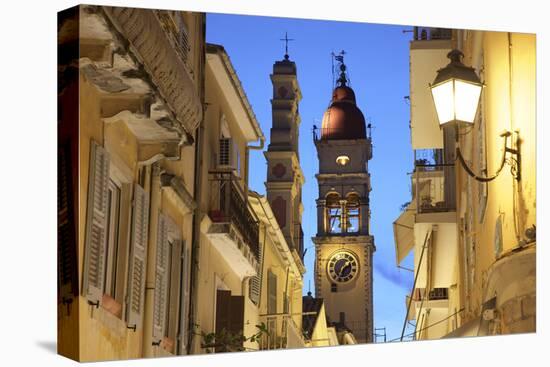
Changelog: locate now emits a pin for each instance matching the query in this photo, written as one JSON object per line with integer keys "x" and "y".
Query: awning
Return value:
{"x": 403, "y": 232}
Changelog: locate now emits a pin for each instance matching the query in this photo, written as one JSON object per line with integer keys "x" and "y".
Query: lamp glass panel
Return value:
{"x": 466, "y": 100}
{"x": 444, "y": 101}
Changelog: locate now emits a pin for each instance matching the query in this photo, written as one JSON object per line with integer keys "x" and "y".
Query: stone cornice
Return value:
{"x": 161, "y": 61}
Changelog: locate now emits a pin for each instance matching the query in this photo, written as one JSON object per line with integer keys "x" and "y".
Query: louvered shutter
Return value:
{"x": 184, "y": 324}
{"x": 138, "y": 257}
{"x": 271, "y": 293}
{"x": 255, "y": 283}
{"x": 229, "y": 314}
{"x": 96, "y": 220}
{"x": 161, "y": 278}
{"x": 175, "y": 287}
{"x": 66, "y": 244}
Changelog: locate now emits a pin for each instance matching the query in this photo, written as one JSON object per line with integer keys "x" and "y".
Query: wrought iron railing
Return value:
{"x": 427, "y": 33}
{"x": 177, "y": 34}
{"x": 438, "y": 293}
{"x": 434, "y": 295}
{"x": 336, "y": 133}
{"x": 434, "y": 188}
{"x": 228, "y": 206}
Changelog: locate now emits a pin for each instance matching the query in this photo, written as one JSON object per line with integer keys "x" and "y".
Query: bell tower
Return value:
{"x": 343, "y": 244}
{"x": 284, "y": 174}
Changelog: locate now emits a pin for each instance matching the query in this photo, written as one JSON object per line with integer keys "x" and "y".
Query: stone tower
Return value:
{"x": 284, "y": 174}
{"x": 343, "y": 244}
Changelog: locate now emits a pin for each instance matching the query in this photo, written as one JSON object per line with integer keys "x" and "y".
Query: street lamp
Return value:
{"x": 456, "y": 92}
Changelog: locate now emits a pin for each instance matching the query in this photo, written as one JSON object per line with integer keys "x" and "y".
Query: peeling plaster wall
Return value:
{"x": 120, "y": 109}
{"x": 508, "y": 103}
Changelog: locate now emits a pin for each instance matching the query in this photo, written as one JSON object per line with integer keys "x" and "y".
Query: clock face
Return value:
{"x": 342, "y": 266}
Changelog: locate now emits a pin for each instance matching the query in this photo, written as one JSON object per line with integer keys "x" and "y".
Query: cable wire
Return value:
{"x": 429, "y": 326}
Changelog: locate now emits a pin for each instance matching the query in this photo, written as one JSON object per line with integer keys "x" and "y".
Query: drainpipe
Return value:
{"x": 197, "y": 196}
{"x": 248, "y": 148}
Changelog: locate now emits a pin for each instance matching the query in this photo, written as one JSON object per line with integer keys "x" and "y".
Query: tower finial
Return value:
{"x": 342, "y": 80}
{"x": 286, "y": 39}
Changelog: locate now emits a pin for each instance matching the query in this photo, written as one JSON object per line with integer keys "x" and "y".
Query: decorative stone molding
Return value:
{"x": 152, "y": 46}
{"x": 175, "y": 185}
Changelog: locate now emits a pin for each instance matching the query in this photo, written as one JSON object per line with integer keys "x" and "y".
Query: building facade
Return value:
{"x": 474, "y": 240}
{"x": 163, "y": 249}
{"x": 126, "y": 182}
{"x": 343, "y": 244}
{"x": 277, "y": 289}
{"x": 228, "y": 247}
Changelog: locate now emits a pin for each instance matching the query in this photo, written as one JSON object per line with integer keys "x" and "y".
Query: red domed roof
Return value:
{"x": 343, "y": 93}
{"x": 343, "y": 120}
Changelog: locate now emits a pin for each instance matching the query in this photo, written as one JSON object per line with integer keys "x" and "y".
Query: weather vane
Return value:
{"x": 286, "y": 39}
{"x": 340, "y": 59}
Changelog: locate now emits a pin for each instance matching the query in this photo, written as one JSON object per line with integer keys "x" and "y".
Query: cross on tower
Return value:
{"x": 286, "y": 39}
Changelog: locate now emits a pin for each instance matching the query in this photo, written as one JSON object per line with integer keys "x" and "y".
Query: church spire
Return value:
{"x": 286, "y": 39}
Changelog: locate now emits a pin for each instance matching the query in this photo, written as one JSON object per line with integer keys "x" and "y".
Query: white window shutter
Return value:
{"x": 161, "y": 278}
{"x": 138, "y": 258}
{"x": 255, "y": 282}
{"x": 96, "y": 224}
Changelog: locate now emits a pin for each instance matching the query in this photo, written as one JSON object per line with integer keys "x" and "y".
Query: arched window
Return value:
{"x": 333, "y": 213}
{"x": 352, "y": 213}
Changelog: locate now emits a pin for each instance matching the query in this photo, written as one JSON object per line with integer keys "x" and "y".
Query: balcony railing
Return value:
{"x": 337, "y": 133}
{"x": 434, "y": 188}
{"x": 229, "y": 207}
{"x": 282, "y": 333}
{"x": 435, "y": 294}
{"x": 428, "y": 34}
{"x": 177, "y": 34}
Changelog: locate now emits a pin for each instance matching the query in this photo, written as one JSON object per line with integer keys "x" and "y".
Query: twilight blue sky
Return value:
{"x": 378, "y": 65}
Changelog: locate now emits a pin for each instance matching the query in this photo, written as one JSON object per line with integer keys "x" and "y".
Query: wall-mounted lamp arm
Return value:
{"x": 515, "y": 166}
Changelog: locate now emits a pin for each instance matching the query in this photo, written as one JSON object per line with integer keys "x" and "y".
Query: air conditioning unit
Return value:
{"x": 228, "y": 154}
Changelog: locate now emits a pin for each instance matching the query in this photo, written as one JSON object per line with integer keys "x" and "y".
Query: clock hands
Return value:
{"x": 343, "y": 267}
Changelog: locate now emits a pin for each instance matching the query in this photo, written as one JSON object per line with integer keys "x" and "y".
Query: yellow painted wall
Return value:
{"x": 212, "y": 265}
{"x": 101, "y": 335}
{"x": 509, "y": 103}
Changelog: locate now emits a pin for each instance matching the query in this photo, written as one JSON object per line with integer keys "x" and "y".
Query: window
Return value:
{"x": 169, "y": 296}
{"x": 272, "y": 293}
{"x": 228, "y": 149}
{"x": 113, "y": 215}
{"x": 438, "y": 293}
{"x": 334, "y": 213}
{"x": 108, "y": 234}
{"x": 333, "y": 287}
{"x": 343, "y": 216}
{"x": 352, "y": 213}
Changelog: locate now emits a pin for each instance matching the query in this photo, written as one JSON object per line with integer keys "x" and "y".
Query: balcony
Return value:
{"x": 283, "y": 333}
{"x": 234, "y": 230}
{"x": 436, "y": 298}
{"x": 434, "y": 188}
{"x": 430, "y": 34}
